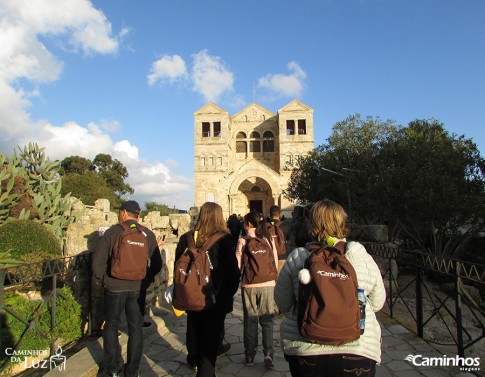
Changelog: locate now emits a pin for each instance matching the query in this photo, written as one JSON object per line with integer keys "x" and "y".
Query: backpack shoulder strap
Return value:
{"x": 124, "y": 226}
{"x": 341, "y": 247}
{"x": 314, "y": 247}
{"x": 190, "y": 241}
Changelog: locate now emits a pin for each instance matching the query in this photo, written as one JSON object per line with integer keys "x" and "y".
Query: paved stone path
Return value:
{"x": 165, "y": 352}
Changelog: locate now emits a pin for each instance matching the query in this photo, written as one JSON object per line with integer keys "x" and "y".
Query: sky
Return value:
{"x": 125, "y": 77}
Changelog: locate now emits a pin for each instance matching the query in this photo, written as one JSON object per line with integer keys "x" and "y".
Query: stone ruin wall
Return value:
{"x": 81, "y": 236}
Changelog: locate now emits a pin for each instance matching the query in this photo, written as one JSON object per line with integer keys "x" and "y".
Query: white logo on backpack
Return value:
{"x": 141, "y": 244}
{"x": 258, "y": 251}
{"x": 339, "y": 275}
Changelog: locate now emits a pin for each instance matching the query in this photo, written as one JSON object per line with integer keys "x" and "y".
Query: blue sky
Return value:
{"x": 125, "y": 77}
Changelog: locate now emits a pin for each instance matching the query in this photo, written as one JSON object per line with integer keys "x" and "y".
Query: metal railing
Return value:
{"x": 50, "y": 274}
{"x": 431, "y": 304}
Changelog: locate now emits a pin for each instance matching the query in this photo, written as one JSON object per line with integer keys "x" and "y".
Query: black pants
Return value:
{"x": 338, "y": 365}
{"x": 191, "y": 343}
{"x": 207, "y": 328}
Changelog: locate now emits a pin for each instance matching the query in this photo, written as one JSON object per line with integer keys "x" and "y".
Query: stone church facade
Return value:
{"x": 243, "y": 162}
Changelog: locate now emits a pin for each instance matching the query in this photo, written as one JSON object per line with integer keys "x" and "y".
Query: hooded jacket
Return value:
{"x": 286, "y": 296}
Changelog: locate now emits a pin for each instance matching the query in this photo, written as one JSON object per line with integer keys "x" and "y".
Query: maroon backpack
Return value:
{"x": 258, "y": 261}
{"x": 129, "y": 259}
{"x": 328, "y": 309}
{"x": 192, "y": 282}
{"x": 278, "y": 238}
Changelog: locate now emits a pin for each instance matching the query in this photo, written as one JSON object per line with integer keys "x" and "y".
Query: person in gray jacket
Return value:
{"x": 357, "y": 358}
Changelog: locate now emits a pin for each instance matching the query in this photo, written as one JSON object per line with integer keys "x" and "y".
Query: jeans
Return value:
{"x": 258, "y": 307}
{"x": 337, "y": 365}
{"x": 115, "y": 304}
{"x": 207, "y": 326}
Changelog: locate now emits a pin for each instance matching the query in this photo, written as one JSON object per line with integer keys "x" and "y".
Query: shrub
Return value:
{"x": 68, "y": 321}
{"x": 29, "y": 241}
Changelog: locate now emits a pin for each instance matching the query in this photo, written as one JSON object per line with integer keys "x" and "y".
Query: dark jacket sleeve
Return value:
{"x": 102, "y": 253}
{"x": 228, "y": 274}
{"x": 156, "y": 262}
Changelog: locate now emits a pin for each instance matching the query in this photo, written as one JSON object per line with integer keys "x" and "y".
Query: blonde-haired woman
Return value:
{"x": 306, "y": 359}
{"x": 207, "y": 326}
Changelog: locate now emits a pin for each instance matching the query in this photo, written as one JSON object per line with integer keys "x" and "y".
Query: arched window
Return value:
{"x": 255, "y": 189}
{"x": 268, "y": 142}
{"x": 255, "y": 146}
{"x": 240, "y": 147}
{"x": 268, "y": 135}
{"x": 241, "y": 135}
{"x": 255, "y": 135}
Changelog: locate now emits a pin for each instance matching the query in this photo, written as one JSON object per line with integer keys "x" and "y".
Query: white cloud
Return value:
{"x": 124, "y": 147}
{"x": 169, "y": 68}
{"x": 210, "y": 76}
{"x": 110, "y": 125}
{"x": 78, "y": 27}
{"x": 281, "y": 85}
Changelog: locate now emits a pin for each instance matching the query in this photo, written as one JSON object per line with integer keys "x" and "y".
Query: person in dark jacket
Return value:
{"x": 235, "y": 228}
{"x": 122, "y": 295}
{"x": 208, "y": 325}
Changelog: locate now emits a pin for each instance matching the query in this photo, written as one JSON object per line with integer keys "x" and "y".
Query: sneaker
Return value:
{"x": 223, "y": 349}
{"x": 268, "y": 360}
{"x": 249, "y": 361}
{"x": 147, "y": 325}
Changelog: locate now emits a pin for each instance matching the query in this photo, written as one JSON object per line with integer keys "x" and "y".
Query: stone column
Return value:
{"x": 276, "y": 200}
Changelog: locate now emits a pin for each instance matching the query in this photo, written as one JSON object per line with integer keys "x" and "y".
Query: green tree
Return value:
{"x": 104, "y": 177}
{"x": 426, "y": 184}
{"x": 88, "y": 188}
{"x": 436, "y": 186}
{"x": 75, "y": 165}
{"x": 114, "y": 172}
{"x": 346, "y": 167}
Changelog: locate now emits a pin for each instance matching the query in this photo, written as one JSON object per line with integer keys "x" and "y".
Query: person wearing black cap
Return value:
{"x": 123, "y": 295}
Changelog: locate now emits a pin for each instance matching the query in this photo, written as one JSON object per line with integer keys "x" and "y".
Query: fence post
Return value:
{"x": 53, "y": 310}
{"x": 419, "y": 300}
{"x": 458, "y": 305}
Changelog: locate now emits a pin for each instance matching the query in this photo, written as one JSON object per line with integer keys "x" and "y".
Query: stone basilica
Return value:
{"x": 243, "y": 162}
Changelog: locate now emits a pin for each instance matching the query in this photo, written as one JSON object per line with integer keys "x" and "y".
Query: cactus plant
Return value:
{"x": 31, "y": 189}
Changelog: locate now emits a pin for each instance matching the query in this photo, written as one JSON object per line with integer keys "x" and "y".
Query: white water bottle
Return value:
{"x": 361, "y": 298}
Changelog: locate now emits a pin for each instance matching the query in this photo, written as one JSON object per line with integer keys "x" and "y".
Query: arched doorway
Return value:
{"x": 257, "y": 195}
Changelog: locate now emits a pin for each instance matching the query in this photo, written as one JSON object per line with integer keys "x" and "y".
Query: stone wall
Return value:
{"x": 82, "y": 235}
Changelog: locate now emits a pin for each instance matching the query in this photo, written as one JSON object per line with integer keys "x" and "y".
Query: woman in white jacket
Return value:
{"x": 306, "y": 359}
